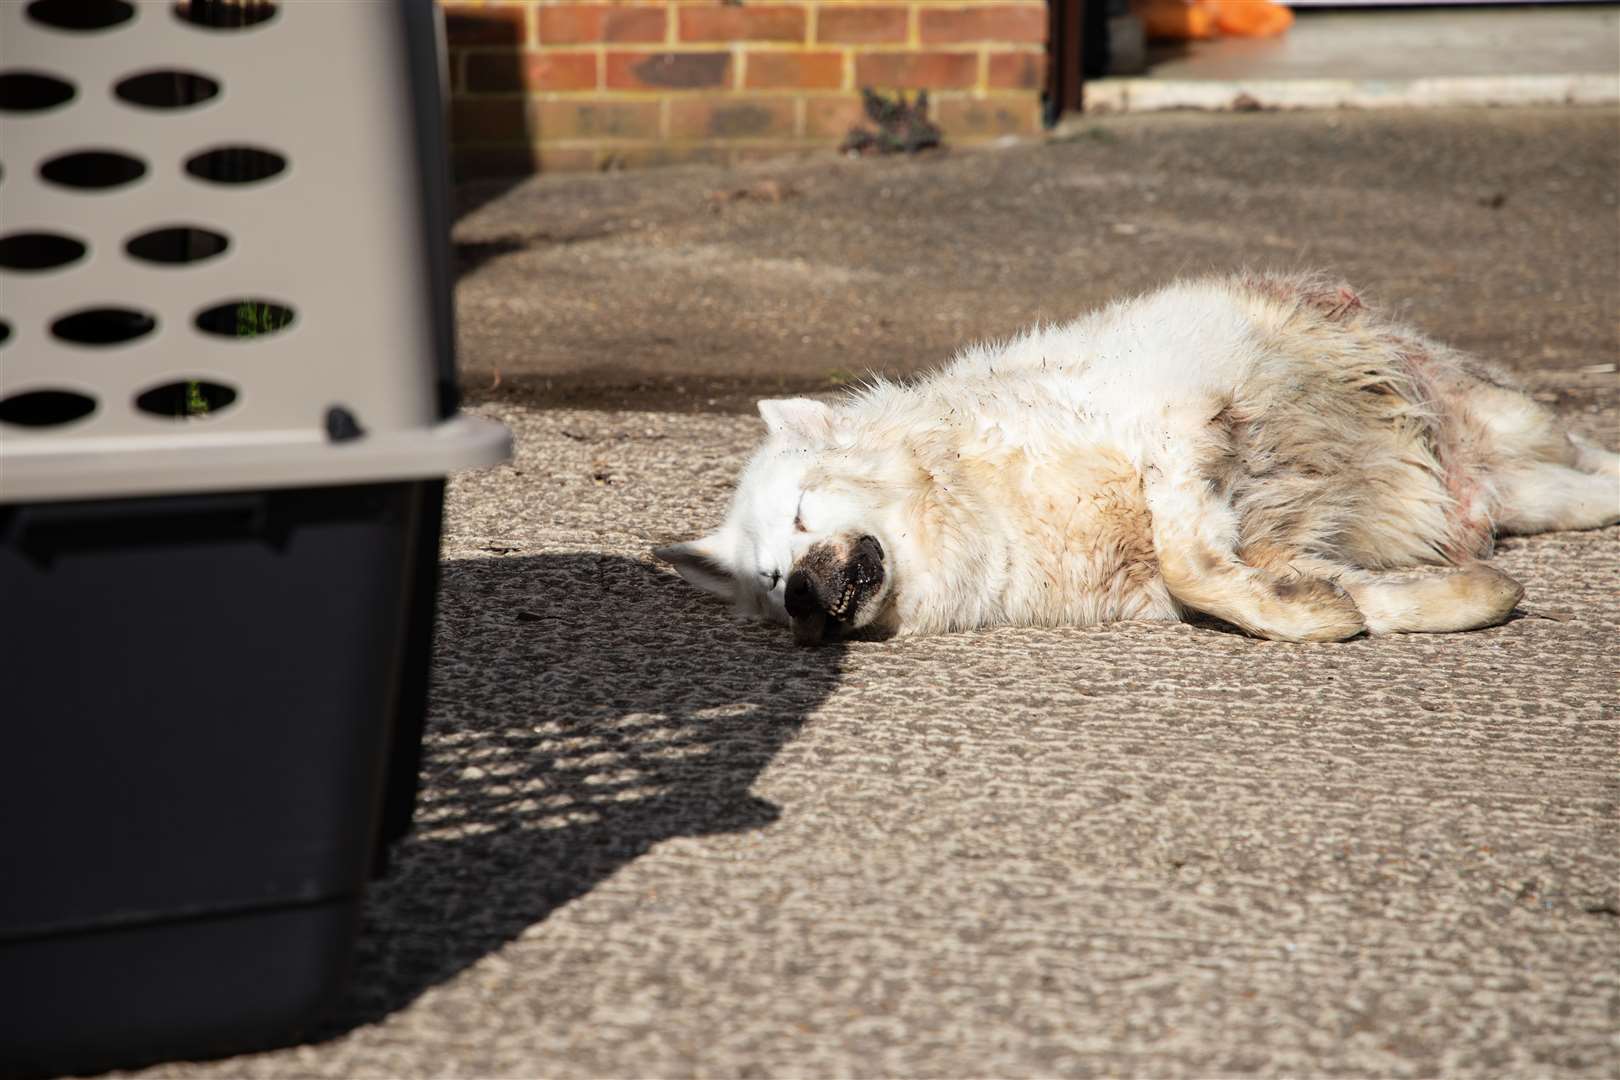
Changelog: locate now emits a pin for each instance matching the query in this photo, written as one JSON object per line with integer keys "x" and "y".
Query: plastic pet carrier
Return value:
{"x": 226, "y": 411}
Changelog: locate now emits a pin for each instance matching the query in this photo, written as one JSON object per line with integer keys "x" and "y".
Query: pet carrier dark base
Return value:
{"x": 214, "y": 709}
{"x": 229, "y": 984}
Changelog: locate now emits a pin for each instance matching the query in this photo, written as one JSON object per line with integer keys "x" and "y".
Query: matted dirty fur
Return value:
{"x": 1261, "y": 448}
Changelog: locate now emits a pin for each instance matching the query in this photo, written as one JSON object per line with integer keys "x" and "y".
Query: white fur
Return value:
{"x": 1259, "y": 448}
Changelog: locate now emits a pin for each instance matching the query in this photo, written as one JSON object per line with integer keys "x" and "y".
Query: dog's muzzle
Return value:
{"x": 828, "y": 586}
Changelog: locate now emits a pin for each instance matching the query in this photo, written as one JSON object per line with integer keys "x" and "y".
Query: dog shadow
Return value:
{"x": 585, "y": 707}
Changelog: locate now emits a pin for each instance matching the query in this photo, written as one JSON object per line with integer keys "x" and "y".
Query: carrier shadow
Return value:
{"x": 585, "y": 707}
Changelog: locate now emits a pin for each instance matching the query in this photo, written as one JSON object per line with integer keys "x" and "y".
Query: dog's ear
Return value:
{"x": 700, "y": 563}
{"x": 803, "y": 418}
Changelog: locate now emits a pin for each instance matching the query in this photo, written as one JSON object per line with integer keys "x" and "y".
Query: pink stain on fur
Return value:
{"x": 1335, "y": 302}
{"x": 1472, "y": 532}
{"x": 1347, "y": 304}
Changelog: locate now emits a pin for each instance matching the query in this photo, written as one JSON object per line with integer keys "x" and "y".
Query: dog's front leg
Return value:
{"x": 1195, "y": 538}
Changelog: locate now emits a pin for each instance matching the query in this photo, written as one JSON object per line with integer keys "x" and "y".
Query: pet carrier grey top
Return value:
{"x": 222, "y": 258}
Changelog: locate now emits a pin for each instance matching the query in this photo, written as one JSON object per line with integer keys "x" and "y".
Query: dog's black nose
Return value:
{"x": 800, "y": 597}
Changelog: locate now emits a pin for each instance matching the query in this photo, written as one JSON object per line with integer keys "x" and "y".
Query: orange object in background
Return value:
{"x": 1251, "y": 18}
{"x": 1175, "y": 20}
{"x": 1191, "y": 20}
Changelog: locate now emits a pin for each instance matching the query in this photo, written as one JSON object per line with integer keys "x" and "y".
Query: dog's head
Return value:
{"x": 808, "y": 540}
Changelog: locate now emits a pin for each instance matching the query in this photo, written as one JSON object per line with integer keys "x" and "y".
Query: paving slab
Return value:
{"x": 1404, "y": 57}
{"x": 1409, "y": 42}
{"x": 655, "y": 841}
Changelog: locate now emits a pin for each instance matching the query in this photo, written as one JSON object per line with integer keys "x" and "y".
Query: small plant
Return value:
{"x": 901, "y": 127}
{"x": 196, "y": 402}
{"x": 254, "y": 318}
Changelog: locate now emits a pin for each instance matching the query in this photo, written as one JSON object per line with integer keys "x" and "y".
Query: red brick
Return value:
{"x": 565, "y": 159}
{"x": 917, "y": 70}
{"x": 494, "y": 73}
{"x": 832, "y": 117}
{"x": 731, "y": 118}
{"x": 569, "y": 24}
{"x": 596, "y": 120}
{"x": 635, "y": 24}
{"x": 668, "y": 70}
{"x": 583, "y": 24}
{"x": 1017, "y": 71}
{"x": 1023, "y": 23}
{"x": 486, "y": 26}
{"x": 794, "y": 70}
{"x": 489, "y": 120}
{"x": 985, "y": 119}
{"x": 728, "y": 22}
{"x": 861, "y": 25}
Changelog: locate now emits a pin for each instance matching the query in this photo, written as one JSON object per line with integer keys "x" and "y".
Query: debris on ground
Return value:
{"x": 771, "y": 191}
{"x": 896, "y": 126}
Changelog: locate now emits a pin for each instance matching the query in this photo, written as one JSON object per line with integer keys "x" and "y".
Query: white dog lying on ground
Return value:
{"x": 1262, "y": 449}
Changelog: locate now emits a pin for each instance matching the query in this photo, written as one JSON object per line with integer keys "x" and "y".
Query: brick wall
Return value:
{"x": 560, "y": 85}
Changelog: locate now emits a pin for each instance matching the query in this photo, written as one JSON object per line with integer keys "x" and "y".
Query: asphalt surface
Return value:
{"x": 657, "y": 842}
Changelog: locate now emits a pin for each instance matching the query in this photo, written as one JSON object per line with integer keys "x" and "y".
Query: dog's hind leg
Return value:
{"x": 1592, "y": 458}
{"x": 1430, "y": 601}
{"x": 1543, "y": 496}
{"x": 1195, "y": 537}
{"x": 1543, "y": 477}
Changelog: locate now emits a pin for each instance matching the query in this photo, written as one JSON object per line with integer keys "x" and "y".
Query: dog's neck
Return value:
{"x": 990, "y": 534}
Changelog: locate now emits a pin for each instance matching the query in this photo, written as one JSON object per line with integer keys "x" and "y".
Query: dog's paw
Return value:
{"x": 1310, "y": 609}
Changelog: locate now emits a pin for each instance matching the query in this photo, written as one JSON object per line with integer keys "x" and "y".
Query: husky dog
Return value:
{"x": 1263, "y": 449}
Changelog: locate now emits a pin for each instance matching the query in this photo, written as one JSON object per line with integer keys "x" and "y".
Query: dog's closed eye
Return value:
{"x": 773, "y": 578}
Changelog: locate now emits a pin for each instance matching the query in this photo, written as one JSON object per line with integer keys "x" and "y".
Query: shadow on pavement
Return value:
{"x": 586, "y": 707}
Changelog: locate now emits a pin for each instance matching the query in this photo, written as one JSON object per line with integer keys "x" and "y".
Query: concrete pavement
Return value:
{"x": 657, "y": 842}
